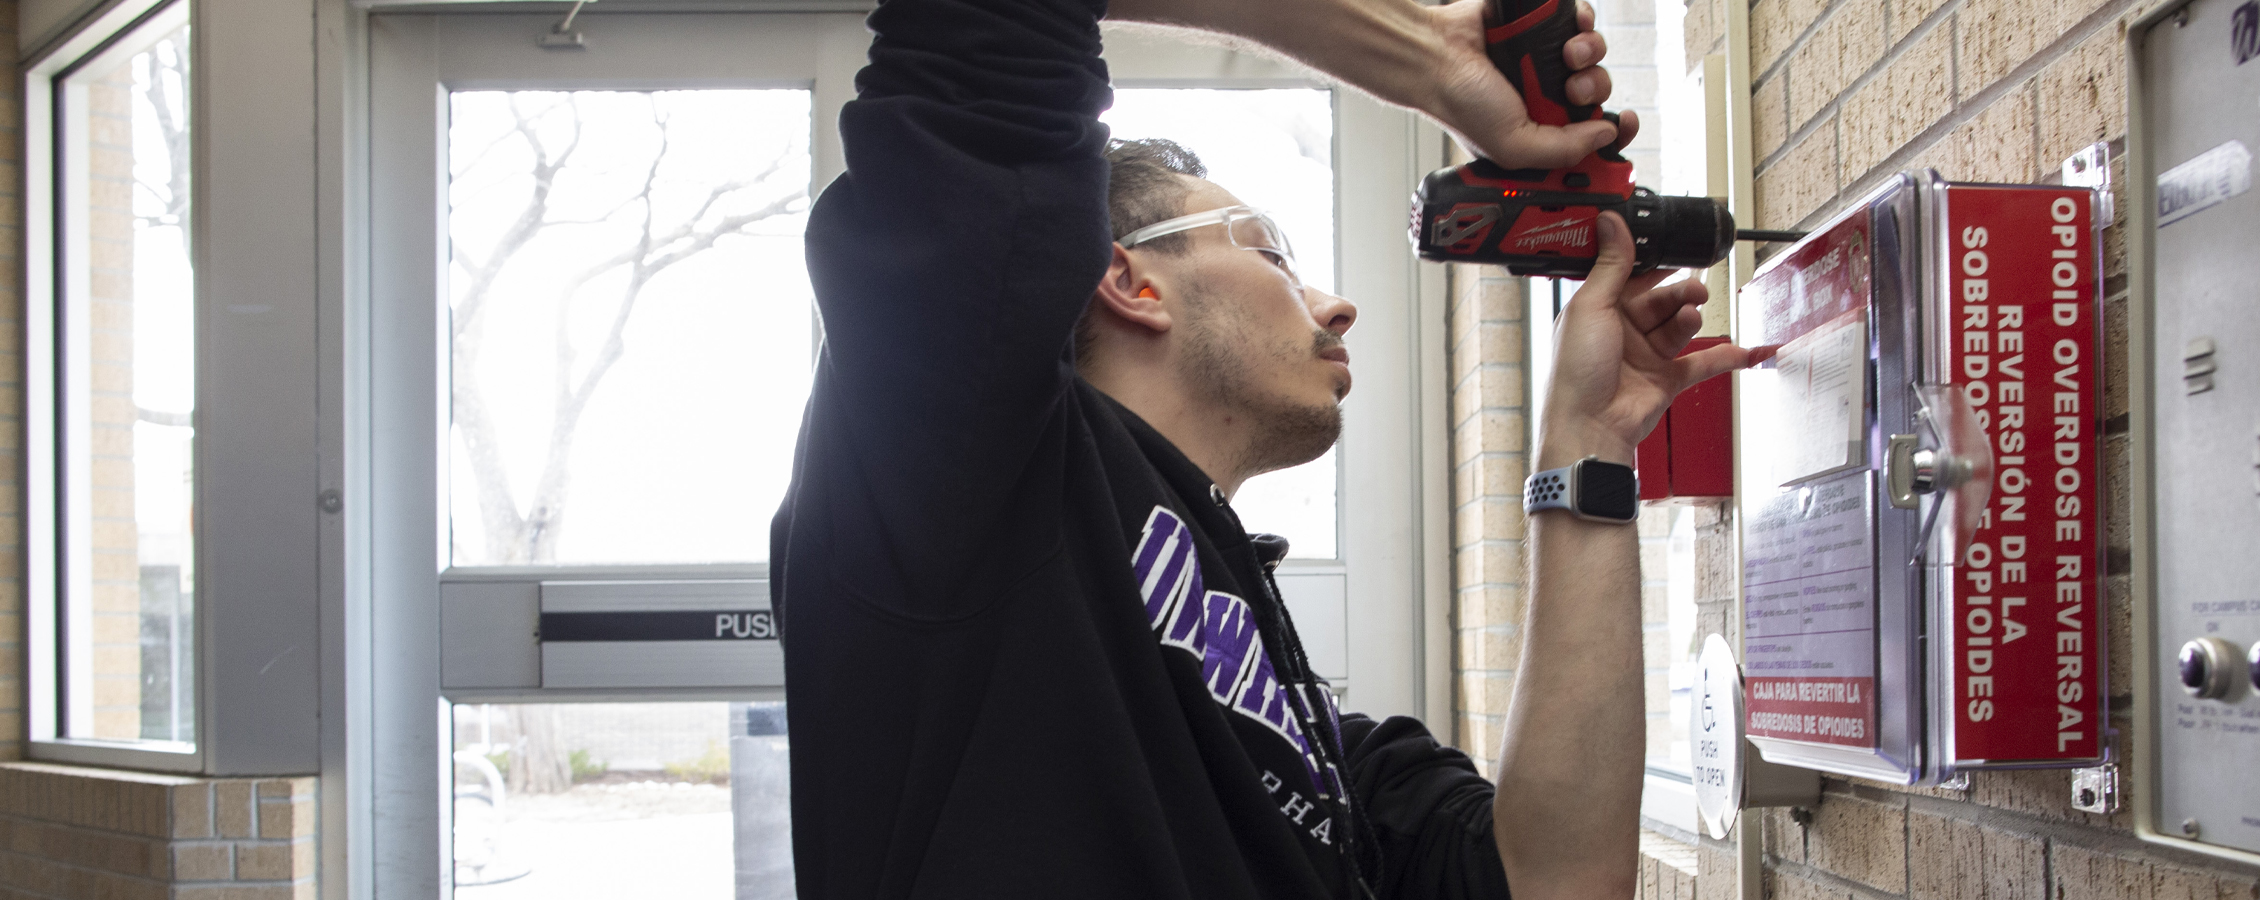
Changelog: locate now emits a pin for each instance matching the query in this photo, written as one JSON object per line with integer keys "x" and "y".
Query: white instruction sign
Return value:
{"x": 1808, "y": 631}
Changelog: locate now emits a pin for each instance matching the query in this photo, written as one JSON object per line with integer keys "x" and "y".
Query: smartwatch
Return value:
{"x": 1589, "y": 488}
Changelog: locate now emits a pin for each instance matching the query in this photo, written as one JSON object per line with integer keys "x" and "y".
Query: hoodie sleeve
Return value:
{"x": 1429, "y": 809}
{"x": 950, "y": 263}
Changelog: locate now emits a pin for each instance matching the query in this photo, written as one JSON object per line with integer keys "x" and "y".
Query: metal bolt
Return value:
{"x": 331, "y": 500}
{"x": 2189, "y": 827}
{"x": 2087, "y": 796}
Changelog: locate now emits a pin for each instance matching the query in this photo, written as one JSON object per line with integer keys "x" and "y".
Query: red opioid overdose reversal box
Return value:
{"x": 1889, "y": 632}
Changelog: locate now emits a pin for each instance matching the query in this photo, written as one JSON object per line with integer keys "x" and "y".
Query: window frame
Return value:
{"x": 258, "y": 503}
{"x": 50, "y": 195}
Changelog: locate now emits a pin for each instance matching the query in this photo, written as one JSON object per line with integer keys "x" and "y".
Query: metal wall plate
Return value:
{"x": 2195, "y": 398}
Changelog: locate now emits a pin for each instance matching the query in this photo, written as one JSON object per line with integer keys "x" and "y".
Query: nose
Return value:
{"x": 1330, "y": 312}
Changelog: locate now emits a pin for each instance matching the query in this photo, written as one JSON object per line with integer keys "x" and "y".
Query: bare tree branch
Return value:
{"x": 513, "y": 536}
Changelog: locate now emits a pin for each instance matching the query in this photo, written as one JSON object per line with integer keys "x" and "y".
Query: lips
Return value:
{"x": 1340, "y": 356}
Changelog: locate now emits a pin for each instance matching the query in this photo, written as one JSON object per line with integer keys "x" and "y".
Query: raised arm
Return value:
{"x": 1427, "y": 58}
{"x": 1570, "y": 771}
{"x": 950, "y": 263}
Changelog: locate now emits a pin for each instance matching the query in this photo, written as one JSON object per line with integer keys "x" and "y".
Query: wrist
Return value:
{"x": 1560, "y": 444}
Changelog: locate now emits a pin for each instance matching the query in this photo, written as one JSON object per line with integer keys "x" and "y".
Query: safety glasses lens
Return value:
{"x": 1255, "y": 231}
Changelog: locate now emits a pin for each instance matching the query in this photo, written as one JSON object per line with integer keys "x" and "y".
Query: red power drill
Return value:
{"x": 1540, "y": 221}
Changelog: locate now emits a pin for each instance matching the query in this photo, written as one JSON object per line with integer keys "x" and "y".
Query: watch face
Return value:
{"x": 1607, "y": 490}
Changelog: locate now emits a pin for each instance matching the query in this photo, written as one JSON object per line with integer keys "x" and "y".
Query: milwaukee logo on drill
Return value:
{"x": 1532, "y": 235}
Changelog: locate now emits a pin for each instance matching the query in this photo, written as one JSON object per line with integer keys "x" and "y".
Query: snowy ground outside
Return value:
{"x": 603, "y": 842}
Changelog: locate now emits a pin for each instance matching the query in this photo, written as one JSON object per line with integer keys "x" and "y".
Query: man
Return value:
{"x": 1030, "y": 651}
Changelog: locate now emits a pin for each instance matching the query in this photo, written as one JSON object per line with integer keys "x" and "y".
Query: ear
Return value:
{"x": 1130, "y": 293}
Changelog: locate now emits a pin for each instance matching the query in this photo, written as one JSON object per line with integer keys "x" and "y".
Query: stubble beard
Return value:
{"x": 1283, "y": 432}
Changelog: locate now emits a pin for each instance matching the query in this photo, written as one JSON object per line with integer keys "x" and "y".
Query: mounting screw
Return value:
{"x": 2096, "y": 789}
{"x": 2189, "y": 827}
{"x": 330, "y": 500}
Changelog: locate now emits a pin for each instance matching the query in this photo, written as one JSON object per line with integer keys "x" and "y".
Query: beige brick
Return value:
{"x": 1913, "y": 91}
{"x": 267, "y": 862}
{"x": 1998, "y": 35}
{"x": 1498, "y": 605}
{"x": 1486, "y": 692}
{"x": 1503, "y": 431}
{"x": 1703, "y": 31}
{"x": 1479, "y": 736}
{"x": 2176, "y": 883}
{"x": 2083, "y": 96}
{"x": 120, "y": 887}
{"x": 203, "y": 862}
{"x": 2080, "y": 873}
{"x": 1769, "y": 116}
{"x": 2116, "y": 497}
{"x": 1492, "y": 562}
{"x": 1500, "y": 342}
{"x": 2115, "y": 357}
{"x": 1798, "y": 183}
{"x": 232, "y": 809}
{"x": 2014, "y": 865}
{"x": 1784, "y": 836}
{"x": 1496, "y": 648}
{"x": 192, "y": 811}
{"x": 1845, "y": 46}
{"x": 2119, "y": 634}
{"x": 1489, "y": 520}
{"x": 1947, "y": 854}
{"x": 1717, "y": 872}
{"x": 1501, "y": 475}
{"x": 1792, "y": 886}
{"x": 2044, "y": 792}
{"x": 1908, "y": 15}
{"x": 1860, "y": 839}
{"x": 1775, "y": 25}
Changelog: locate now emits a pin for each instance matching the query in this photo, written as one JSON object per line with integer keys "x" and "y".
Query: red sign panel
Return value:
{"x": 2025, "y": 622}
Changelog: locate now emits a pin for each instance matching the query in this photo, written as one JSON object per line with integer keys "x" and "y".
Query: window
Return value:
{"x": 112, "y": 402}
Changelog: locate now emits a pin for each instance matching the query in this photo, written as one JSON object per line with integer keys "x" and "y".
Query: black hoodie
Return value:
{"x": 1030, "y": 652}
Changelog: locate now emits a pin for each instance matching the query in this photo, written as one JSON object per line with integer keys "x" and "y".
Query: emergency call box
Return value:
{"x": 2194, "y": 395}
{"x": 1921, "y": 540}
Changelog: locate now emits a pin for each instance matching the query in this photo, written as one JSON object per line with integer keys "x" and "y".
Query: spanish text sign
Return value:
{"x": 1808, "y": 633}
{"x": 2024, "y": 623}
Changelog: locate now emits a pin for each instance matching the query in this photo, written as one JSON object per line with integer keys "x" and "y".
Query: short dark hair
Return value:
{"x": 1143, "y": 187}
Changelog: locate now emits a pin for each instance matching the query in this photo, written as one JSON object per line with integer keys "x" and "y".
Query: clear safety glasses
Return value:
{"x": 1247, "y": 226}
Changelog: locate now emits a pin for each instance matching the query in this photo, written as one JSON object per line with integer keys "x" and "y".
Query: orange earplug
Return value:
{"x": 1148, "y": 293}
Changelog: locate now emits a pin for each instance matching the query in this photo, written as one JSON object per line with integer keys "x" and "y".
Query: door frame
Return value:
{"x": 384, "y": 788}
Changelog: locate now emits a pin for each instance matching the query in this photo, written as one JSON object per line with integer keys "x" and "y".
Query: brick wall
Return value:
{"x": 68, "y": 833}
{"x": 1490, "y": 430}
{"x": 1846, "y": 93}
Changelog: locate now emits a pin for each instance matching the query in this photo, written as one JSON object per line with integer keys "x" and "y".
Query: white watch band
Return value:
{"x": 1547, "y": 490}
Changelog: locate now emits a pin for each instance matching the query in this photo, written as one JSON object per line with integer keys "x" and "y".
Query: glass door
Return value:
{"x": 592, "y": 338}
